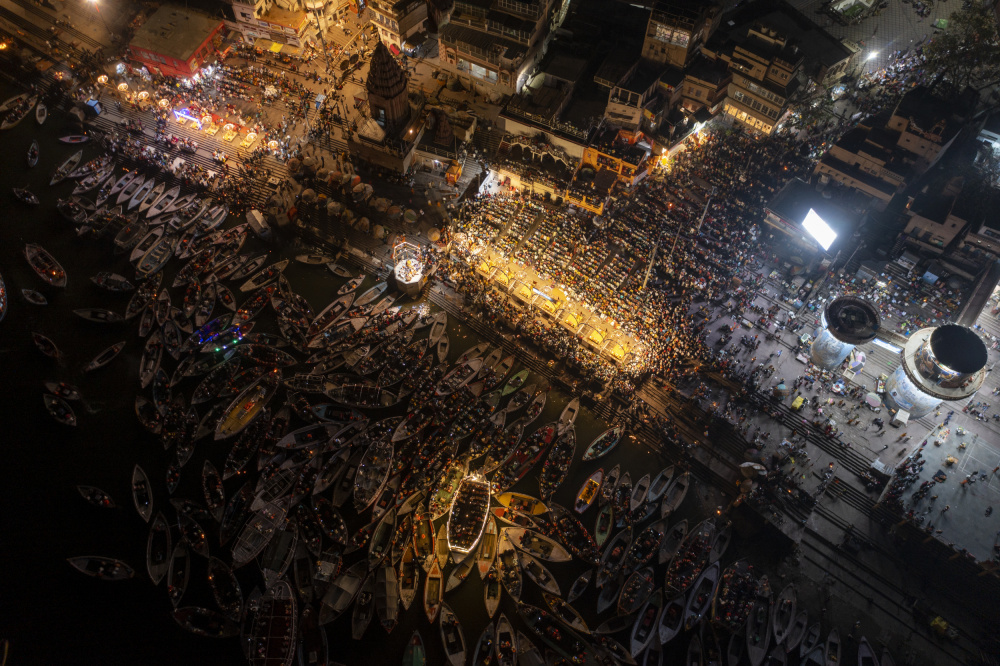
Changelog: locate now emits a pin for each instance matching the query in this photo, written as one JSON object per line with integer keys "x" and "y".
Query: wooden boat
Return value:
{"x": 758, "y": 631}
{"x": 162, "y": 201}
{"x": 351, "y": 285}
{"x": 364, "y": 608}
{"x": 433, "y": 592}
{"x": 639, "y": 492}
{"x": 537, "y": 544}
{"x": 25, "y": 195}
{"x": 34, "y": 297}
{"x": 720, "y": 543}
{"x": 409, "y": 577}
{"x": 59, "y": 409}
{"x": 45, "y": 265}
{"x": 41, "y": 113}
{"x": 112, "y": 282}
{"x": 831, "y": 651}
{"x": 783, "y": 613}
{"x": 866, "y": 656}
{"x": 538, "y": 573}
{"x": 99, "y": 315}
{"x": 645, "y": 627}
{"x": 131, "y": 187}
{"x": 105, "y": 357}
{"x": 701, "y": 596}
{"x": 264, "y": 276}
{"x": 313, "y": 259}
{"x": 156, "y": 256}
{"x": 225, "y": 587}
{"x": 443, "y": 345}
{"x": 887, "y": 659}
{"x": 675, "y": 494}
{"x": 142, "y": 495}
{"x": 258, "y": 531}
{"x": 485, "y": 646}
{"x": 213, "y": 490}
{"x": 487, "y": 551}
{"x": 105, "y": 568}
{"x": 589, "y": 491}
{"x": 67, "y": 167}
{"x": 528, "y": 654}
{"x": 506, "y": 645}
{"x": 452, "y": 636}
{"x": 522, "y": 503}
{"x": 159, "y": 548}
{"x": 660, "y": 483}
{"x": 248, "y": 405}
{"x": 17, "y": 111}
{"x": 178, "y": 573}
{"x": 604, "y": 443}
{"x": 569, "y": 413}
{"x": 671, "y": 620}
{"x": 205, "y": 622}
{"x": 274, "y": 634}
{"x": 797, "y": 632}
{"x": 145, "y": 195}
{"x": 414, "y": 654}
{"x": 74, "y": 138}
{"x": 33, "y": 153}
{"x": 508, "y": 567}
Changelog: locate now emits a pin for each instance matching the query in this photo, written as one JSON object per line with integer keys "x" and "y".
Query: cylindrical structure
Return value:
{"x": 942, "y": 363}
{"x": 847, "y": 321}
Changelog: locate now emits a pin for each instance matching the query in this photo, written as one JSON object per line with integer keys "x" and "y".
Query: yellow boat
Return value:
{"x": 523, "y": 503}
{"x": 248, "y": 405}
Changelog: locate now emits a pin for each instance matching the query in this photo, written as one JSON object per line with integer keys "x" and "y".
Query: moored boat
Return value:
{"x": 589, "y": 491}
{"x": 469, "y": 513}
{"x": 45, "y": 265}
{"x": 105, "y": 568}
{"x": 604, "y": 443}
{"x": 452, "y": 636}
{"x": 273, "y": 636}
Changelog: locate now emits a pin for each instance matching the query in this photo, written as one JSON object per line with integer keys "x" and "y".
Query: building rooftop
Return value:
{"x": 642, "y": 79}
{"x": 935, "y": 207}
{"x": 615, "y": 66}
{"x": 537, "y": 103}
{"x": 927, "y": 108}
{"x": 286, "y": 18}
{"x": 839, "y": 207}
{"x": 564, "y": 67}
{"x": 385, "y": 77}
{"x": 707, "y": 70}
{"x": 489, "y": 46}
{"x": 175, "y": 32}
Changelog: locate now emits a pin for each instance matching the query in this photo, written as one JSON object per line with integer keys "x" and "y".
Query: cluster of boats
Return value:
{"x": 360, "y": 472}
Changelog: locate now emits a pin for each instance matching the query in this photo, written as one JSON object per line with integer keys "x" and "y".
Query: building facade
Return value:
{"x": 764, "y": 70}
{"x": 675, "y": 30}
{"x": 493, "y": 45}
{"x": 397, "y": 21}
{"x": 282, "y": 22}
{"x": 177, "y": 42}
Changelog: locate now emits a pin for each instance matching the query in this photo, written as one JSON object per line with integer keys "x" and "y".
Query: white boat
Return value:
{"x": 675, "y": 494}
{"x": 452, "y": 636}
{"x": 41, "y": 113}
{"x": 142, "y": 493}
{"x": 163, "y": 201}
{"x": 569, "y": 414}
{"x": 700, "y": 598}
{"x": 131, "y": 188}
{"x": 660, "y": 484}
{"x": 273, "y": 637}
{"x": 144, "y": 198}
{"x": 671, "y": 619}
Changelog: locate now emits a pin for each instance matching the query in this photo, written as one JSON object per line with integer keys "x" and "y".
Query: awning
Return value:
{"x": 394, "y": 49}
{"x": 276, "y": 47}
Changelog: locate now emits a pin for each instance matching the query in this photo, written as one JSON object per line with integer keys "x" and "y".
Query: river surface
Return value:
{"x": 55, "y": 615}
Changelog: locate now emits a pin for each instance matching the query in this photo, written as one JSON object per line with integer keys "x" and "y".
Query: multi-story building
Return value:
{"x": 885, "y": 152}
{"x": 705, "y": 85}
{"x": 282, "y": 22}
{"x": 764, "y": 67}
{"x": 397, "y": 20}
{"x": 493, "y": 45}
{"x": 636, "y": 102}
{"x": 177, "y": 42}
{"x": 676, "y": 28}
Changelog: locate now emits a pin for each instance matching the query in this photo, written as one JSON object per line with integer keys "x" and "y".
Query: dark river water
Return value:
{"x": 55, "y": 615}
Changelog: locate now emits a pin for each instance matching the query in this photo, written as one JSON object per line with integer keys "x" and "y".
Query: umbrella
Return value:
{"x": 394, "y": 212}
{"x": 380, "y": 204}
{"x": 293, "y": 164}
{"x": 322, "y": 174}
{"x": 348, "y": 215}
{"x": 346, "y": 178}
{"x": 359, "y": 188}
{"x": 355, "y": 179}
{"x": 433, "y": 235}
{"x": 857, "y": 360}
{"x": 309, "y": 195}
{"x": 364, "y": 224}
{"x": 336, "y": 177}
{"x": 334, "y": 208}
{"x": 410, "y": 215}
{"x": 873, "y": 400}
{"x": 751, "y": 469}
{"x": 379, "y": 231}
{"x": 309, "y": 161}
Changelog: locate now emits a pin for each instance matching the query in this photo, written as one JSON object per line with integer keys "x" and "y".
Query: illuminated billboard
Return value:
{"x": 819, "y": 229}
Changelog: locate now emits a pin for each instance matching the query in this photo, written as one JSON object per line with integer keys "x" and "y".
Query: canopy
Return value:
{"x": 379, "y": 231}
{"x": 433, "y": 235}
{"x": 394, "y": 212}
{"x": 293, "y": 164}
{"x": 857, "y": 360}
{"x": 309, "y": 161}
{"x": 873, "y": 400}
{"x": 309, "y": 195}
{"x": 410, "y": 215}
{"x": 334, "y": 208}
{"x": 380, "y": 204}
{"x": 364, "y": 224}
